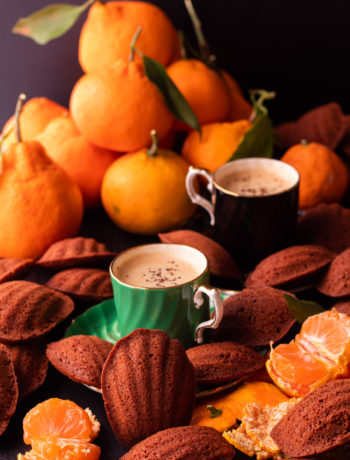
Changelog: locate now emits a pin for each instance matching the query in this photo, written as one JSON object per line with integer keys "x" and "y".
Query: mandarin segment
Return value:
{"x": 61, "y": 419}
{"x": 50, "y": 447}
{"x": 321, "y": 352}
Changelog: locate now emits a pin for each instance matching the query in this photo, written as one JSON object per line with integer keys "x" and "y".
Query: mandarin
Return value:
{"x": 84, "y": 162}
{"x": 40, "y": 203}
{"x": 216, "y": 145}
{"x": 109, "y": 28}
{"x": 144, "y": 192}
{"x": 323, "y": 175}
{"x": 35, "y": 116}
{"x": 61, "y": 430}
{"x": 117, "y": 109}
{"x": 240, "y": 107}
{"x": 321, "y": 352}
{"x": 203, "y": 88}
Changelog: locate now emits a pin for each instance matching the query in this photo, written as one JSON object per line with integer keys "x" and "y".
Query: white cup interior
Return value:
{"x": 289, "y": 174}
{"x": 189, "y": 255}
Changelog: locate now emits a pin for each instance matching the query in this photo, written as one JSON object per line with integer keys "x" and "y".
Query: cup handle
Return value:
{"x": 196, "y": 197}
{"x": 198, "y": 300}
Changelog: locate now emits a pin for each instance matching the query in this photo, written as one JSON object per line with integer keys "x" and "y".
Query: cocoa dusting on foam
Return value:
{"x": 156, "y": 271}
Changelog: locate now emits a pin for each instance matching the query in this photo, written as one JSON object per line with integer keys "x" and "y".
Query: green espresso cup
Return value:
{"x": 162, "y": 286}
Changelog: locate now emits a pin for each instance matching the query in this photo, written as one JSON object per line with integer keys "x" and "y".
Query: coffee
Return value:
{"x": 157, "y": 270}
{"x": 254, "y": 181}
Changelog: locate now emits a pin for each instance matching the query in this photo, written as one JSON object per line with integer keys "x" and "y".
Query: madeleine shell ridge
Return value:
{"x": 148, "y": 385}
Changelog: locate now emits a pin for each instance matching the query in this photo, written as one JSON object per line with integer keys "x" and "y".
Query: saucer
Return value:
{"x": 101, "y": 320}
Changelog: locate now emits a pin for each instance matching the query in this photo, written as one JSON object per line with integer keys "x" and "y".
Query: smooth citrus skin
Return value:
{"x": 107, "y": 33}
{"x": 203, "y": 88}
{"x": 240, "y": 107}
{"x": 83, "y": 162}
{"x": 323, "y": 175}
{"x": 147, "y": 195}
{"x": 321, "y": 352}
{"x": 35, "y": 116}
{"x": 117, "y": 110}
{"x": 40, "y": 204}
{"x": 215, "y": 146}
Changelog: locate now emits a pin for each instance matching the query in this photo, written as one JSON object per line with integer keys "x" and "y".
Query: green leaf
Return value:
{"x": 175, "y": 101}
{"x": 302, "y": 309}
{"x": 50, "y": 22}
{"x": 258, "y": 141}
{"x": 214, "y": 412}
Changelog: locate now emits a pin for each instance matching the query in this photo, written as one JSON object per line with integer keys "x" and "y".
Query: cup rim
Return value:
{"x": 274, "y": 160}
{"x": 149, "y": 288}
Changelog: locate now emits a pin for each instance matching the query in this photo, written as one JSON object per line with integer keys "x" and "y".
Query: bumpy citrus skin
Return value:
{"x": 323, "y": 175}
{"x": 109, "y": 28}
{"x": 84, "y": 162}
{"x": 203, "y": 88}
{"x": 117, "y": 109}
{"x": 146, "y": 195}
{"x": 40, "y": 204}
{"x": 35, "y": 116}
{"x": 240, "y": 107}
{"x": 215, "y": 146}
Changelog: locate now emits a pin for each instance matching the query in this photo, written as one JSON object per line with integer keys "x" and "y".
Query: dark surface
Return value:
{"x": 300, "y": 49}
{"x": 96, "y": 224}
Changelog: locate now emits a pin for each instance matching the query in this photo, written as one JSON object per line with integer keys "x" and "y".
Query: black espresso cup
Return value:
{"x": 253, "y": 207}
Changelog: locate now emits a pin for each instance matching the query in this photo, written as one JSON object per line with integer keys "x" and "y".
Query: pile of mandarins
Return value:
{"x": 104, "y": 142}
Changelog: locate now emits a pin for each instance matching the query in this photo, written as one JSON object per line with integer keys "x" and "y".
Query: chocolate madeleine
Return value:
{"x": 80, "y": 358}
{"x": 76, "y": 252}
{"x": 220, "y": 262}
{"x": 29, "y": 310}
{"x": 319, "y": 423}
{"x": 326, "y": 225}
{"x": 12, "y": 269}
{"x": 8, "y": 388}
{"x": 148, "y": 385}
{"x": 291, "y": 268}
{"x": 30, "y": 364}
{"x": 85, "y": 284}
{"x": 183, "y": 443}
{"x": 336, "y": 281}
{"x": 216, "y": 363}
{"x": 255, "y": 317}
{"x": 342, "y": 307}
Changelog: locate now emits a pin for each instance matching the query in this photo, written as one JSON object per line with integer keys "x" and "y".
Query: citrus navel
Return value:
{"x": 323, "y": 175}
{"x": 144, "y": 192}
{"x": 216, "y": 145}
{"x": 117, "y": 109}
{"x": 83, "y": 162}
{"x": 35, "y": 115}
{"x": 240, "y": 107}
{"x": 109, "y": 28}
{"x": 203, "y": 88}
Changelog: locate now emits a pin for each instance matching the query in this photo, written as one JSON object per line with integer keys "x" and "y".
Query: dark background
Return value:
{"x": 300, "y": 49}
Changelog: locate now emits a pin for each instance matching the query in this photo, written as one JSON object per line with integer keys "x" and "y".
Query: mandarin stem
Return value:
{"x": 197, "y": 25}
{"x": 21, "y": 98}
{"x": 152, "y": 151}
{"x": 133, "y": 43}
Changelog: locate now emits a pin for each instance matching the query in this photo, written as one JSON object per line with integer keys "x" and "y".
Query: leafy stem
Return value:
{"x": 204, "y": 48}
